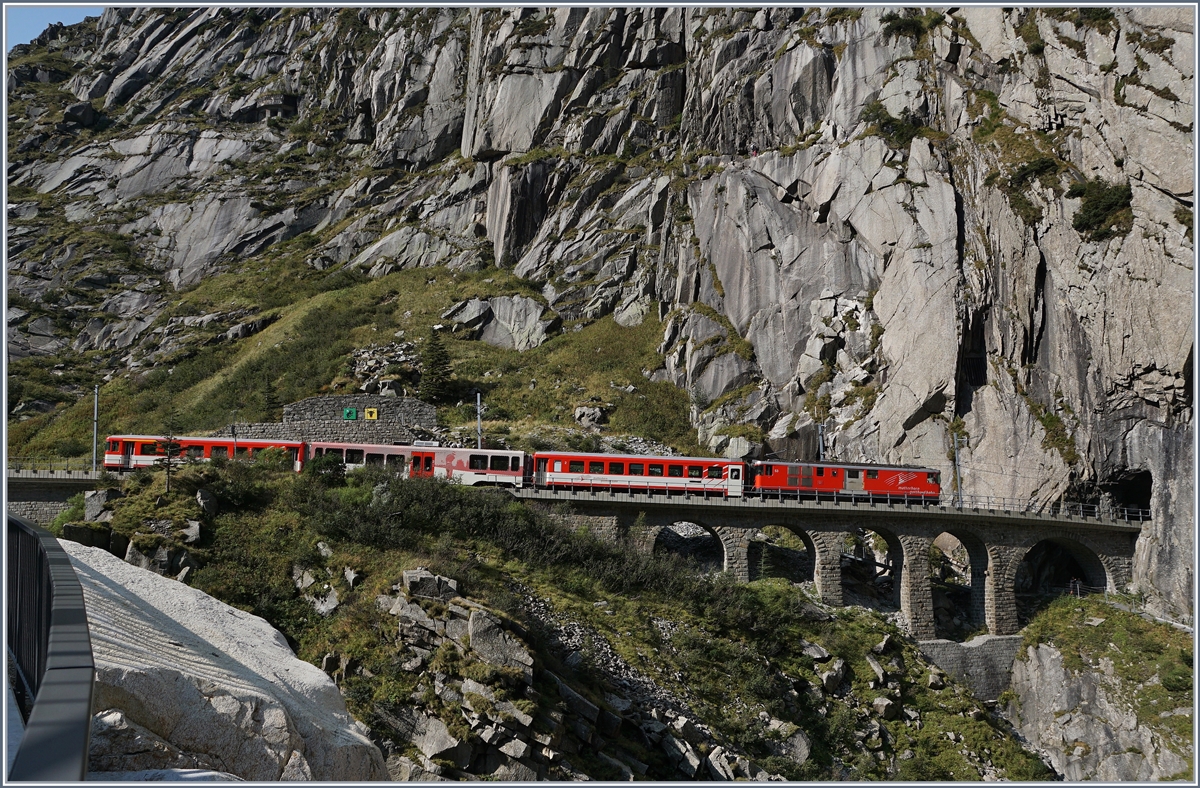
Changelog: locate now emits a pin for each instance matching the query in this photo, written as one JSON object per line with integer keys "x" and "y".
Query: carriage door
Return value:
{"x": 422, "y": 465}
{"x": 806, "y": 477}
{"x": 854, "y": 480}
{"x": 793, "y": 476}
{"x": 735, "y": 481}
{"x": 539, "y": 477}
{"x": 126, "y": 455}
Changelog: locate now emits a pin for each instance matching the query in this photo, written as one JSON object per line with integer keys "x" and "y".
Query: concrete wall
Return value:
{"x": 984, "y": 664}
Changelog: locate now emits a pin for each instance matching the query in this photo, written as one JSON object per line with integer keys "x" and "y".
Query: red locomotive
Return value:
{"x": 795, "y": 479}
{"x": 634, "y": 473}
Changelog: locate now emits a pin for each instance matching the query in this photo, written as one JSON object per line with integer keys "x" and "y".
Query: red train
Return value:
{"x": 704, "y": 476}
{"x": 468, "y": 466}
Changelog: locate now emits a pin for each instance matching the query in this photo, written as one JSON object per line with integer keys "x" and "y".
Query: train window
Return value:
{"x": 595, "y": 467}
{"x": 714, "y": 472}
{"x": 354, "y": 456}
{"x": 675, "y": 470}
{"x": 397, "y": 461}
{"x": 851, "y": 472}
{"x": 335, "y": 452}
{"x": 575, "y": 466}
{"x": 146, "y": 449}
{"x": 374, "y": 459}
{"x": 293, "y": 454}
{"x": 219, "y": 451}
{"x": 933, "y": 478}
{"x": 637, "y": 469}
{"x": 616, "y": 467}
{"x": 195, "y": 451}
{"x": 558, "y": 466}
{"x": 515, "y": 463}
{"x": 735, "y": 473}
{"x": 477, "y": 462}
{"x": 766, "y": 470}
{"x": 655, "y": 469}
{"x": 114, "y": 445}
{"x": 428, "y": 463}
{"x": 499, "y": 463}
{"x": 872, "y": 474}
{"x": 820, "y": 471}
{"x": 695, "y": 472}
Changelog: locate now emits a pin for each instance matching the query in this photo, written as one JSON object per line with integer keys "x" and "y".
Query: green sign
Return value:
{"x": 349, "y": 414}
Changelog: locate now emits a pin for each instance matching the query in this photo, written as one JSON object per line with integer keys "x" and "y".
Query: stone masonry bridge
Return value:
{"x": 996, "y": 542}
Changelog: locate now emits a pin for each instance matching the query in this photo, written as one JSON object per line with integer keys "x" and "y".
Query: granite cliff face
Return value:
{"x": 903, "y": 225}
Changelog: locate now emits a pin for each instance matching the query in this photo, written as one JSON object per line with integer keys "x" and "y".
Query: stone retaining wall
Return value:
{"x": 38, "y": 512}
{"x": 984, "y": 664}
{"x": 397, "y": 420}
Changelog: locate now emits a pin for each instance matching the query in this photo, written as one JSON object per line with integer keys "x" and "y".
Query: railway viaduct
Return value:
{"x": 996, "y": 542}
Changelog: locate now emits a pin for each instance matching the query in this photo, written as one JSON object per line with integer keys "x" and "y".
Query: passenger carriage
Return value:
{"x": 639, "y": 473}
{"x": 129, "y": 452}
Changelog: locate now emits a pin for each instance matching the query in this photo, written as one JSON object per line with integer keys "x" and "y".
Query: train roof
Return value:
{"x": 634, "y": 457}
{"x": 866, "y": 465}
{"x": 222, "y": 438}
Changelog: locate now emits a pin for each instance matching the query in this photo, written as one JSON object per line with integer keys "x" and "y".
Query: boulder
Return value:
{"x": 517, "y": 323}
{"x": 95, "y": 502}
{"x": 92, "y": 537}
{"x": 587, "y": 416}
{"x": 575, "y": 702}
{"x": 211, "y": 681}
{"x": 81, "y": 113}
{"x": 832, "y": 678}
{"x": 207, "y": 503}
{"x": 497, "y": 647}
{"x": 428, "y": 734}
{"x": 886, "y": 708}
{"x": 423, "y": 583}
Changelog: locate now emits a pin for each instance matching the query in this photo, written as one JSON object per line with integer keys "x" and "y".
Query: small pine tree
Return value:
{"x": 435, "y": 370}
{"x": 271, "y": 405}
{"x": 169, "y": 447}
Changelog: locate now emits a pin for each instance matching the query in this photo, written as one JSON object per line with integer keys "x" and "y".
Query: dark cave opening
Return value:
{"x": 1130, "y": 489}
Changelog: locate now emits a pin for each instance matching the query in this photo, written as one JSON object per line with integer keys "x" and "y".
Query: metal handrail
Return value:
{"x": 50, "y": 649}
{"x": 976, "y": 503}
{"x": 49, "y": 463}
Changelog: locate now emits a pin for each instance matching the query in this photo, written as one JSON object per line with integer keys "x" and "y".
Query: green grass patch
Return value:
{"x": 1106, "y": 211}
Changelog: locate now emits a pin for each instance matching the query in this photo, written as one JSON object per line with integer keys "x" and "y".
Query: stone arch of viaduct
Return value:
{"x": 996, "y": 542}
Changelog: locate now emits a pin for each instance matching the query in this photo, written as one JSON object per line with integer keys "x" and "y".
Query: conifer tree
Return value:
{"x": 435, "y": 370}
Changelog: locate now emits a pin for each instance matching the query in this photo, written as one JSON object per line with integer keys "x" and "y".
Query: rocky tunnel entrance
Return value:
{"x": 1129, "y": 489}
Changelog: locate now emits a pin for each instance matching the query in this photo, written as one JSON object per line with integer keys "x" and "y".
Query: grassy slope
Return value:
{"x": 321, "y": 319}
{"x": 736, "y": 650}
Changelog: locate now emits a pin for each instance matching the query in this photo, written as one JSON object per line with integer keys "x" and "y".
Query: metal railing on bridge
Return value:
{"x": 966, "y": 503}
{"x": 50, "y": 656}
{"x": 50, "y": 464}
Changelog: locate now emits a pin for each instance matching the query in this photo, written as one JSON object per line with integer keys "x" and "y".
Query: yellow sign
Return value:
{"x": 371, "y": 414}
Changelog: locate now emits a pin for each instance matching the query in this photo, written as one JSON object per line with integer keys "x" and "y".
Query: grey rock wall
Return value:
{"x": 1083, "y": 723}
